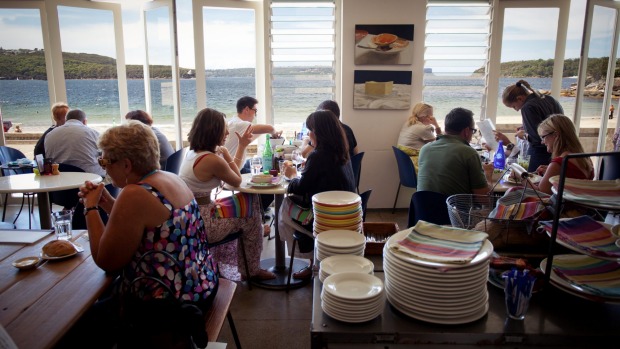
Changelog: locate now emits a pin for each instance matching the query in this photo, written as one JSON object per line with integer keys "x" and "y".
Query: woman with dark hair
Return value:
{"x": 208, "y": 164}
{"x": 534, "y": 108}
{"x": 165, "y": 149}
{"x": 327, "y": 168}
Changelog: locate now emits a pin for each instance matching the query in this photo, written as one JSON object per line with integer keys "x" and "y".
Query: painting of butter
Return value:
{"x": 382, "y": 89}
{"x": 384, "y": 44}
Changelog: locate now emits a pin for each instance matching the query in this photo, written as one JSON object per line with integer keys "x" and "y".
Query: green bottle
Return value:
{"x": 267, "y": 156}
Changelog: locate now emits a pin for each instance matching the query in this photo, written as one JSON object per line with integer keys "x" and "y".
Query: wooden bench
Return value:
{"x": 220, "y": 309}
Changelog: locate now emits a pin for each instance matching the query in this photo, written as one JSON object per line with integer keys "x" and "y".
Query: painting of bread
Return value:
{"x": 58, "y": 248}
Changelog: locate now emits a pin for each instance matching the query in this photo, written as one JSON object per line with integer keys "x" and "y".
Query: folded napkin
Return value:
{"x": 586, "y": 234}
{"x": 589, "y": 192}
{"x": 442, "y": 244}
{"x": 598, "y": 276}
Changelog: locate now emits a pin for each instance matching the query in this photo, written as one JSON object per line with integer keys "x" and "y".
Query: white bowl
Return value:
{"x": 262, "y": 178}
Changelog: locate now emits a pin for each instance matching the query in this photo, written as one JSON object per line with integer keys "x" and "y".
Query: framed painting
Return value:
{"x": 382, "y": 89}
{"x": 384, "y": 44}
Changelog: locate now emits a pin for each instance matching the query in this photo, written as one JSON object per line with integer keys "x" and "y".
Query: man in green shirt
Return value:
{"x": 450, "y": 165}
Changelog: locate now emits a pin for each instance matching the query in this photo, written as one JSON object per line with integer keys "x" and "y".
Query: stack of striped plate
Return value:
{"x": 338, "y": 242}
{"x": 337, "y": 210}
{"x": 353, "y": 297}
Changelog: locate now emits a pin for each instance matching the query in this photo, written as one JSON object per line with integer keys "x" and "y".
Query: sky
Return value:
{"x": 90, "y": 31}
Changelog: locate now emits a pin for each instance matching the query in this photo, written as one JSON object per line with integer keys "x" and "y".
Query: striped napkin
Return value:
{"x": 586, "y": 234}
{"x": 442, "y": 244}
{"x": 589, "y": 192}
{"x": 598, "y": 276}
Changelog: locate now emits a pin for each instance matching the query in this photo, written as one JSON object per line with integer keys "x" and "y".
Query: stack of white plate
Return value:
{"x": 337, "y": 242}
{"x": 435, "y": 292}
{"x": 345, "y": 263}
{"x": 352, "y": 297}
{"x": 337, "y": 210}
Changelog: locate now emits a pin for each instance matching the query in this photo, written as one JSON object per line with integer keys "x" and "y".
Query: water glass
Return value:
{"x": 281, "y": 166}
{"x": 62, "y": 224}
{"x": 517, "y": 291}
{"x": 524, "y": 161}
{"x": 256, "y": 164}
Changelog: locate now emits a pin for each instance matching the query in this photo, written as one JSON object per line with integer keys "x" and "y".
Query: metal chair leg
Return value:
{"x": 290, "y": 267}
{"x": 245, "y": 262}
{"x": 395, "y": 200}
{"x": 233, "y": 329}
{"x": 20, "y": 210}
{"x": 6, "y": 198}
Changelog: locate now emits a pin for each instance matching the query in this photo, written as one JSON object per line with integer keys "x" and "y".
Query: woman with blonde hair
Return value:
{"x": 420, "y": 128}
{"x": 558, "y": 135}
{"x": 534, "y": 108}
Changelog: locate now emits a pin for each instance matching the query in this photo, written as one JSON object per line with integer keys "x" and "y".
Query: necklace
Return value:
{"x": 148, "y": 175}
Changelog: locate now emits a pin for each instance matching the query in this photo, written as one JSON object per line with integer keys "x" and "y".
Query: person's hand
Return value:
{"x": 541, "y": 170}
{"x": 289, "y": 171}
{"x": 501, "y": 137}
{"x": 222, "y": 151}
{"x": 520, "y": 134}
{"x": 277, "y": 134}
{"x": 433, "y": 121}
{"x": 90, "y": 193}
{"x": 246, "y": 138}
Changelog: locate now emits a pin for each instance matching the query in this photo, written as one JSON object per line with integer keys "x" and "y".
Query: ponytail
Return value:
{"x": 526, "y": 86}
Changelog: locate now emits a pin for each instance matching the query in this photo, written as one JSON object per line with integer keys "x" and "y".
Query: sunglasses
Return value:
{"x": 104, "y": 162}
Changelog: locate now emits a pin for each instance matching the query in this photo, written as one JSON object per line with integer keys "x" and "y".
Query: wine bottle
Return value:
{"x": 499, "y": 160}
{"x": 267, "y": 156}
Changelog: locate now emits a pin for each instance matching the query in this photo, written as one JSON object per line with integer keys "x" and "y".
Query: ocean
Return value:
{"x": 27, "y": 101}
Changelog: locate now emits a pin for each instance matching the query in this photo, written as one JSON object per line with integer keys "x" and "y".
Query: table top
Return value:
{"x": 246, "y": 188}
{"x": 29, "y": 182}
{"x": 38, "y": 306}
{"x": 554, "y": 318}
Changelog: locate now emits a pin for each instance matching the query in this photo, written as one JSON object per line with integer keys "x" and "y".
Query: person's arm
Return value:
{"x": 553, "y": 169}
{"x": 260, "y": 129}
{"x": 306, "y": 147}
{"x": 309, "y": 176}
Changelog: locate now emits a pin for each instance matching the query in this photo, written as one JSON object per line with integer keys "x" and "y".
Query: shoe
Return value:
{"x": 263, "y": 275}
{"x": 303, "y": 273}
{"x": 266, "y": 230}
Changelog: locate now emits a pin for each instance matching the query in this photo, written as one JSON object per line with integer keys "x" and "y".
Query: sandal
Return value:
{"x": 303, "y": 273}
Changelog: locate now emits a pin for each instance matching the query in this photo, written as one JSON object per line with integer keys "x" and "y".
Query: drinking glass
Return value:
{"x": 297, "y": 158}
{"x": 62, "y": 224}
{"x": 524, "y": 161}
{"x": 257, "y": 165}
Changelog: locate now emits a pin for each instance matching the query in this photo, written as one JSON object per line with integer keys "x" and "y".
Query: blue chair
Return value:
{"x": 365, "y": 197}
{"x": 8, "y": 154}
{"x": 173, "y": 163}
{"x": 356, "y": 163}
{"x": 428, "y": 206}
{"x": 610, "y": 167}
{"x": 406, "y": 172}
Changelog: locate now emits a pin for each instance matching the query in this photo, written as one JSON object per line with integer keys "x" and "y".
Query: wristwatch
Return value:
{"x": 88, "y": 209}
{"x": 509, "y": 146}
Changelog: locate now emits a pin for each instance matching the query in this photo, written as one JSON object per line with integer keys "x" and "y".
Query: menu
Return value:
{"x": 486, "y": 129}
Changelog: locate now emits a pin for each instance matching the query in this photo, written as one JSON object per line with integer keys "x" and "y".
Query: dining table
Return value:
{"x": 280, "y": 264}
{"x": 42, "y": 185}
{"x": 38, "y": 306}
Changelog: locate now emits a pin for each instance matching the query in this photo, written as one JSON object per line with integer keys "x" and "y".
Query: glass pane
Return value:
{"x": 89, "y": 59}
{"x": 24, "y": 98}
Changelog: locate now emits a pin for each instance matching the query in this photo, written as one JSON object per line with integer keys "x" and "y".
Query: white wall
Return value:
{"x": 377, "y": 131}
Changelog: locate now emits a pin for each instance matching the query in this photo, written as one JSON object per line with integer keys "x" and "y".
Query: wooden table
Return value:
{"x": 280, "y": 264}
{"x": 38, "y": 306}
{"x": 42, "y": 185}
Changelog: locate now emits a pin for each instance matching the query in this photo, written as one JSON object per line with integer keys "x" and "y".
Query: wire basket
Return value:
{"x": 470, "y": 211}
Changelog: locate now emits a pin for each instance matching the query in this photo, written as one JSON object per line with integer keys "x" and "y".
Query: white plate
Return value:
{"x": 346, "y": 263}
{"x": 451, "y": 273}
{"x": 78, "y": 249}
{"x": 583, "y": 250}
{"x": 439, "y": 319}
{"x": 483, "y": 255}
{"x": 393, "y": 49}
{"x": 353, "y": 286}
{"x": 341, "y": 238}
{"x": 332, "y": 250}
{"x": 434, "y": 282}
{"x": 26, "y": 262}
{"x": 336, "y": 198}
{"x": 274, "y": 183}
{"x": 534, "y": 178}
{"x": 321, "y": 255}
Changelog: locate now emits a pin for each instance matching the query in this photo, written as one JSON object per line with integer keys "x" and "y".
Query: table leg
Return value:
{"x": 44, "y": 210}
{"x": 279, "y": 264}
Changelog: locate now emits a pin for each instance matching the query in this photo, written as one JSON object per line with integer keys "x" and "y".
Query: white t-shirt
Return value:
{"x": 232, "y": 141}
{"x": 414, "y": 136}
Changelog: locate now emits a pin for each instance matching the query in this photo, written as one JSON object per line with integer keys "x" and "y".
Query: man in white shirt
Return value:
{"x": 246, "y": 112}
{"x": 74, "y": 143}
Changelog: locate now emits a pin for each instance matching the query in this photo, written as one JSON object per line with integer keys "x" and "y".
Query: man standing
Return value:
{"x": 59, "y": 116}
{"x": 450, "y": 165}
{"x": 74, "y": 143}
{"x": 246, "y": 112}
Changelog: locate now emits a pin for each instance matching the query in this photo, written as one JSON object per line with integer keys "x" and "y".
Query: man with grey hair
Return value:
{"x": 59, "y": 116}
{"x": 450, "y": 165}
{"x": 74, "y": 143}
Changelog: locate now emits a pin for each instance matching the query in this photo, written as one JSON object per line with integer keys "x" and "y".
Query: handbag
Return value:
{"x": 238, "y": 205}
{"x": 299, "y": 209}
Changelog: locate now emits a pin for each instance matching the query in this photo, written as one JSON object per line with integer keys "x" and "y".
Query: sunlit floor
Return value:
{"x": 264, "y": 318}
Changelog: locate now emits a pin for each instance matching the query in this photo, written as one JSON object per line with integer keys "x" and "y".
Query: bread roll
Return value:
{"x": 58, "y": 248}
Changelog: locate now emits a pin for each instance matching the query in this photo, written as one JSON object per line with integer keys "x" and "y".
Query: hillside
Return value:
{"x": 30, "y": 64}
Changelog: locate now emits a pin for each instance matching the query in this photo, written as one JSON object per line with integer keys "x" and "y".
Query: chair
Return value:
{"x": 8, "y": 154}
{"x": 173, "y": 163}
{"x": 610, "y": 167}
{"x": 356, "y": 163}
{"x": 406, "y": 172}
{"x": 306, "y": 244}
{"x": 214, "y": 318}
{"x": 428, "y": 206}
{"x": 365, "y": 196}
{"x": 230, "y": 238}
